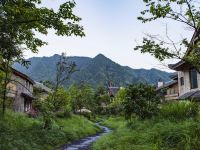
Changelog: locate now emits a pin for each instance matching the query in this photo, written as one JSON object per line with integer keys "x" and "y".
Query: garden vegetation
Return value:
{"x": 176, "y": 127}
{"x": 20, "y": 132}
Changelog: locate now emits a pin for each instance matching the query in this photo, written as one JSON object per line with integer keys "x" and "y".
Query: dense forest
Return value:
{"x": 94, "y": 71}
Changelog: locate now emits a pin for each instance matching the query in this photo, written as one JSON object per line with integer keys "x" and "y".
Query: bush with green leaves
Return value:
{"x": 141, "y": 100}
{"x": 19, "y": 132}
{"x": 43, "y": 108}
{"x": 179, "y": 110}
{"x": 57, "y": 104}
{"x": 116, "y": 107}
{"x": 81, "y": 96}
{"x": 102, "y": 100}
{"x": 58, "y": 100}
{"x": 66, "y": 113}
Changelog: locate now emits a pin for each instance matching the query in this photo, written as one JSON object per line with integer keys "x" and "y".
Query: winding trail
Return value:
{"x": 85, "y": 143}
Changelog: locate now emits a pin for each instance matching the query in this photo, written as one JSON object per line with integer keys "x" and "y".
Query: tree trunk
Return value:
{"x": 4, "y": 94}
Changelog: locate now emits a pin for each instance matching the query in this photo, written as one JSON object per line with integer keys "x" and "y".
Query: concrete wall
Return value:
{"x": 186, "y": 87}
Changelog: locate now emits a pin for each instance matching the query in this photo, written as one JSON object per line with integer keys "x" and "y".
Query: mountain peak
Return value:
{"x": 100, "y": 56}
{"x": 56, "y": 55}
{"x": 92, "y": 70}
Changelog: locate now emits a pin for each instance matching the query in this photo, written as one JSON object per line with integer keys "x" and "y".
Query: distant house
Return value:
{"x": 41, "y": 91}
{"x": 20, "y": 90}
{"x": 188, "y": 76}
{"x": 171, "y": 88}
{"x": 113, "y": 91}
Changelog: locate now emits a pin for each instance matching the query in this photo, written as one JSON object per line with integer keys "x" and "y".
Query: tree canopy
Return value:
{"x": 141, "y": 100}
{"x": 186, "y": 12}
{"x": 21, "y": 20}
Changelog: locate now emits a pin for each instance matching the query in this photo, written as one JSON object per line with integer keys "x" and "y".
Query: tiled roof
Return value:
{"x": 167, "y": 84}
{"x": 174, "y": 76}
{"x": 27, "y": 95}
{"x": 20, "y": 74}
{"x": 113, "y": 90}
{"x": 43, "y": 87}
{"x": 191, "y": 94}
{"x": 174, "y": 66}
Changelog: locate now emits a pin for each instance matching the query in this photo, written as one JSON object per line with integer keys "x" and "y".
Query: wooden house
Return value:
{"x": 170, "y": 88}
{"x": 20, "y": 90}
{"x": 41, "y": 91}
{"x": 112, "y": 91}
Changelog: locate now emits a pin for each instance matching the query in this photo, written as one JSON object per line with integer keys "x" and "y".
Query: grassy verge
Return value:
{"x": 114, "y": 122}
{"x": 151, "y": 135}
{"x": 18, "y": 132}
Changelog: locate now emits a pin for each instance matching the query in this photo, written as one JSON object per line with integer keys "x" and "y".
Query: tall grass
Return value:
{"x": 179, "y": 110}
{"x": 114, "y": 123}
{"x": 153, "y": 135}
{"x": 18, "y": 132}
{"x": 177, "y": 128}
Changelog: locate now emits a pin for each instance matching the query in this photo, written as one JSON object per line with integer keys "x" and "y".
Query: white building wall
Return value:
{"x": 186, "y": 87}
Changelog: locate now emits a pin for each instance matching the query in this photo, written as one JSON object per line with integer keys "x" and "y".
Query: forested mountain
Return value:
{"x": 94, "y": 71}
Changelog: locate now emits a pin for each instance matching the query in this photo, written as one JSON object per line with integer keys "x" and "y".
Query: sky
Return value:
{"x": 112, "y": 29}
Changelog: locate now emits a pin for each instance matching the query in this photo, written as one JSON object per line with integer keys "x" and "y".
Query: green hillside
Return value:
{"x": 99, "y": 69}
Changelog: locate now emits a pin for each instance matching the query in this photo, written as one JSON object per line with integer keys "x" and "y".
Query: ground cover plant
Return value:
{"x": 20, "y": 132}
{"x": 161, "y": 132}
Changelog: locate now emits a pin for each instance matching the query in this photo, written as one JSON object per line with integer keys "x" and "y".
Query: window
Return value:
{"x": 27, "y": 85}
{"x": 182, "y": 81}
{"x": 193, "y": 79}
{"x": 27, "y": 105}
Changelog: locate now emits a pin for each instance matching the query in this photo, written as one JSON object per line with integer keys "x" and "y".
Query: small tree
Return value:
{"x": 61, "y": 100}
{"x": 186, "y": 12}
{"x": 141, "y": 100}
{"x": 20, "y": 20}
{"x": 101, "y": 98}
{"x": 45, "y": 110}
{"x": 81, "y": 95}
{"x": 58, "y": 99}
{"x": 64, "y": 70}
{"x": 116, "y": 105}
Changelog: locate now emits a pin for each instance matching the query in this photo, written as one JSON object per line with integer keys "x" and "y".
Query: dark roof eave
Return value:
{"x": 29, "y": 96}
{"x": 174, "y": 76}
{"x": 191, "y": 94}
{"x": 172, "y": 83}
{"x": 166, "y": 85}
{"x": 193, "y": 39}
{"x": 22, "y": 75}
{"x": 175, "y": 66}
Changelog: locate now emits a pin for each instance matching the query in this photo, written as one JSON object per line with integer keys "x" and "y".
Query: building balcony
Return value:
{"x": 171, "y": 97}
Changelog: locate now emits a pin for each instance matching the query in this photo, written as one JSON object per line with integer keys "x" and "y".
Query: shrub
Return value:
{"x": 151, "y": 134}
{"x": 66, "y": 113}
{"x": 116, "y": 107}
{"x": 87, "y": 115}
{"x": 141, "y": 100}
{"x": 179, "y": 110}
{"x": 18, "y": 132}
